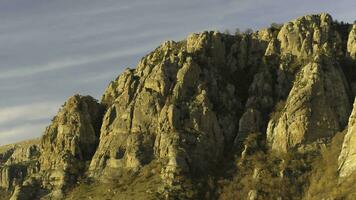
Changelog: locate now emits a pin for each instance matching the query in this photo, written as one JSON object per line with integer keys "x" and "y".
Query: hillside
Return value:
{"x": 264, "y": 115}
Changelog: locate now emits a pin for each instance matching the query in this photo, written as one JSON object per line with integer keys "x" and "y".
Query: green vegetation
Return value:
{"x": 348, "y": 66}
{"x": 276, "y": 26}
{"x": 4, "y": 195}
{"x": 129, "y": 185}
{"x": 182, "y": 125}
{"x": 312, "y": 175}
{"x": 324, "y": 183}
{"x": 247, "y": 31}
{"x": 267, "y": 174}
{"x": 278, "y": 110}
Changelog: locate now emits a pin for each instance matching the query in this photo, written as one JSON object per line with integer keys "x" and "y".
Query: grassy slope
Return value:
{"x": 127, "y": 186}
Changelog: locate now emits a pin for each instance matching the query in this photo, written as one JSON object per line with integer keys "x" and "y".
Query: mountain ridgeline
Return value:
{"x": 262, "y": 115}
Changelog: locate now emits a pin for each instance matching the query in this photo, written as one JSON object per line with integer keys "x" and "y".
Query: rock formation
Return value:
{"x": 309, "y": 114}
{"x": 351, "y": 42}
{"x": 347, "y": 158}
{"x": 16, "y": 161}
{"x": 69, "y": 142}
{"x": 190, "y": 108}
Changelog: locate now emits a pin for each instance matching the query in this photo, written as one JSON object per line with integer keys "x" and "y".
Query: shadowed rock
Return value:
{"x": 189, "y": 109}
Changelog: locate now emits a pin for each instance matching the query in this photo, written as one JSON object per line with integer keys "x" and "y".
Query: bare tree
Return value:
{"x": 237, "y": 31}
{"x": 227, "y": 32}
{"x": 248, "y": 31}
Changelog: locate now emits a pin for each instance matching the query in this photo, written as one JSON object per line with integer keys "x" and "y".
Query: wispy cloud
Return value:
{"x": 52, "y": 49}
{"x": 21, "y": 132}
{"x": 28, "y": 112}
{"x": 64, "y": 63}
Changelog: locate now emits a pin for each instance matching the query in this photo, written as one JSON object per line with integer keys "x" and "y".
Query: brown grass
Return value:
{"x": 324, "y": 180}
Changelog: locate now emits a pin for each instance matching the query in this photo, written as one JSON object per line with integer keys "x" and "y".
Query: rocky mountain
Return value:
{"x": 261, "y": 115}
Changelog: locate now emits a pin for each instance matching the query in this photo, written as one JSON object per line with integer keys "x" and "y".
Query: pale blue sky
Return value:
{"x": 50, "y": 50}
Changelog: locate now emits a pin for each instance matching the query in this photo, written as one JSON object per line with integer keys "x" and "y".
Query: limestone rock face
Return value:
{"x": 19, "y": 152}
{"x": 70, "y": 141}
{"x": 306, "y": 36}
{"x": 189, "y": 106}
{"x": 16, "y": 162}
{"x": 167, "y": 109}
{"x": 181, "y": 106}
{"x": 59, "y": 157}
{"x": 309, "y": 68}
{"x": 309, "y": 114}
{"x": 347, "y": 158}
{"x": 351, "y": 42}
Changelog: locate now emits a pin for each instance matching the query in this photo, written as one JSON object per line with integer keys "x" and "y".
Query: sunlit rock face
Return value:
{"x": 69, "y": 142}
{"x": 190, "y": 108}
{"x": 309, "y": 114}
{"x": 172, "y": 108}
{"x": 351, "y": 42}
{"x": 317, "y": 106}
{"x": 347, "y": 158}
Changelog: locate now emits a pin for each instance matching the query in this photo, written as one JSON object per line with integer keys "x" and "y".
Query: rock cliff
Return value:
{"x": 198, "y": 117}
{"x": 69, "y": 142}
{"x": 347, "y": 158}
{"x": 351, "y": 42}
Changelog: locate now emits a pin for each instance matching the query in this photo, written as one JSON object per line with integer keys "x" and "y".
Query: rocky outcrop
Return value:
{"x": 187, "y": 97}
{"x": 308, "y": 54}
{"x": 19, "y": 152}
{"x": 351, "y": 52}
{"x": 59, "y": 157}
{"x": 308, "y": 114}
{"x": 182, "y": 104}
{"x": 70, "y": 141}
{"x": 166, "y": 110}
{"x": 351, "y": 42}
{"x": 347, "y": 158}
{"x": 189, "y": 106}
{"x": 16, "y": 162}
{"x": 307, "y": 36}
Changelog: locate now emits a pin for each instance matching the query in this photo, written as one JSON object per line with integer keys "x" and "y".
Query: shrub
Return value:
{"x": 324, "y": 180}
{"x": 276, "y": 114}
